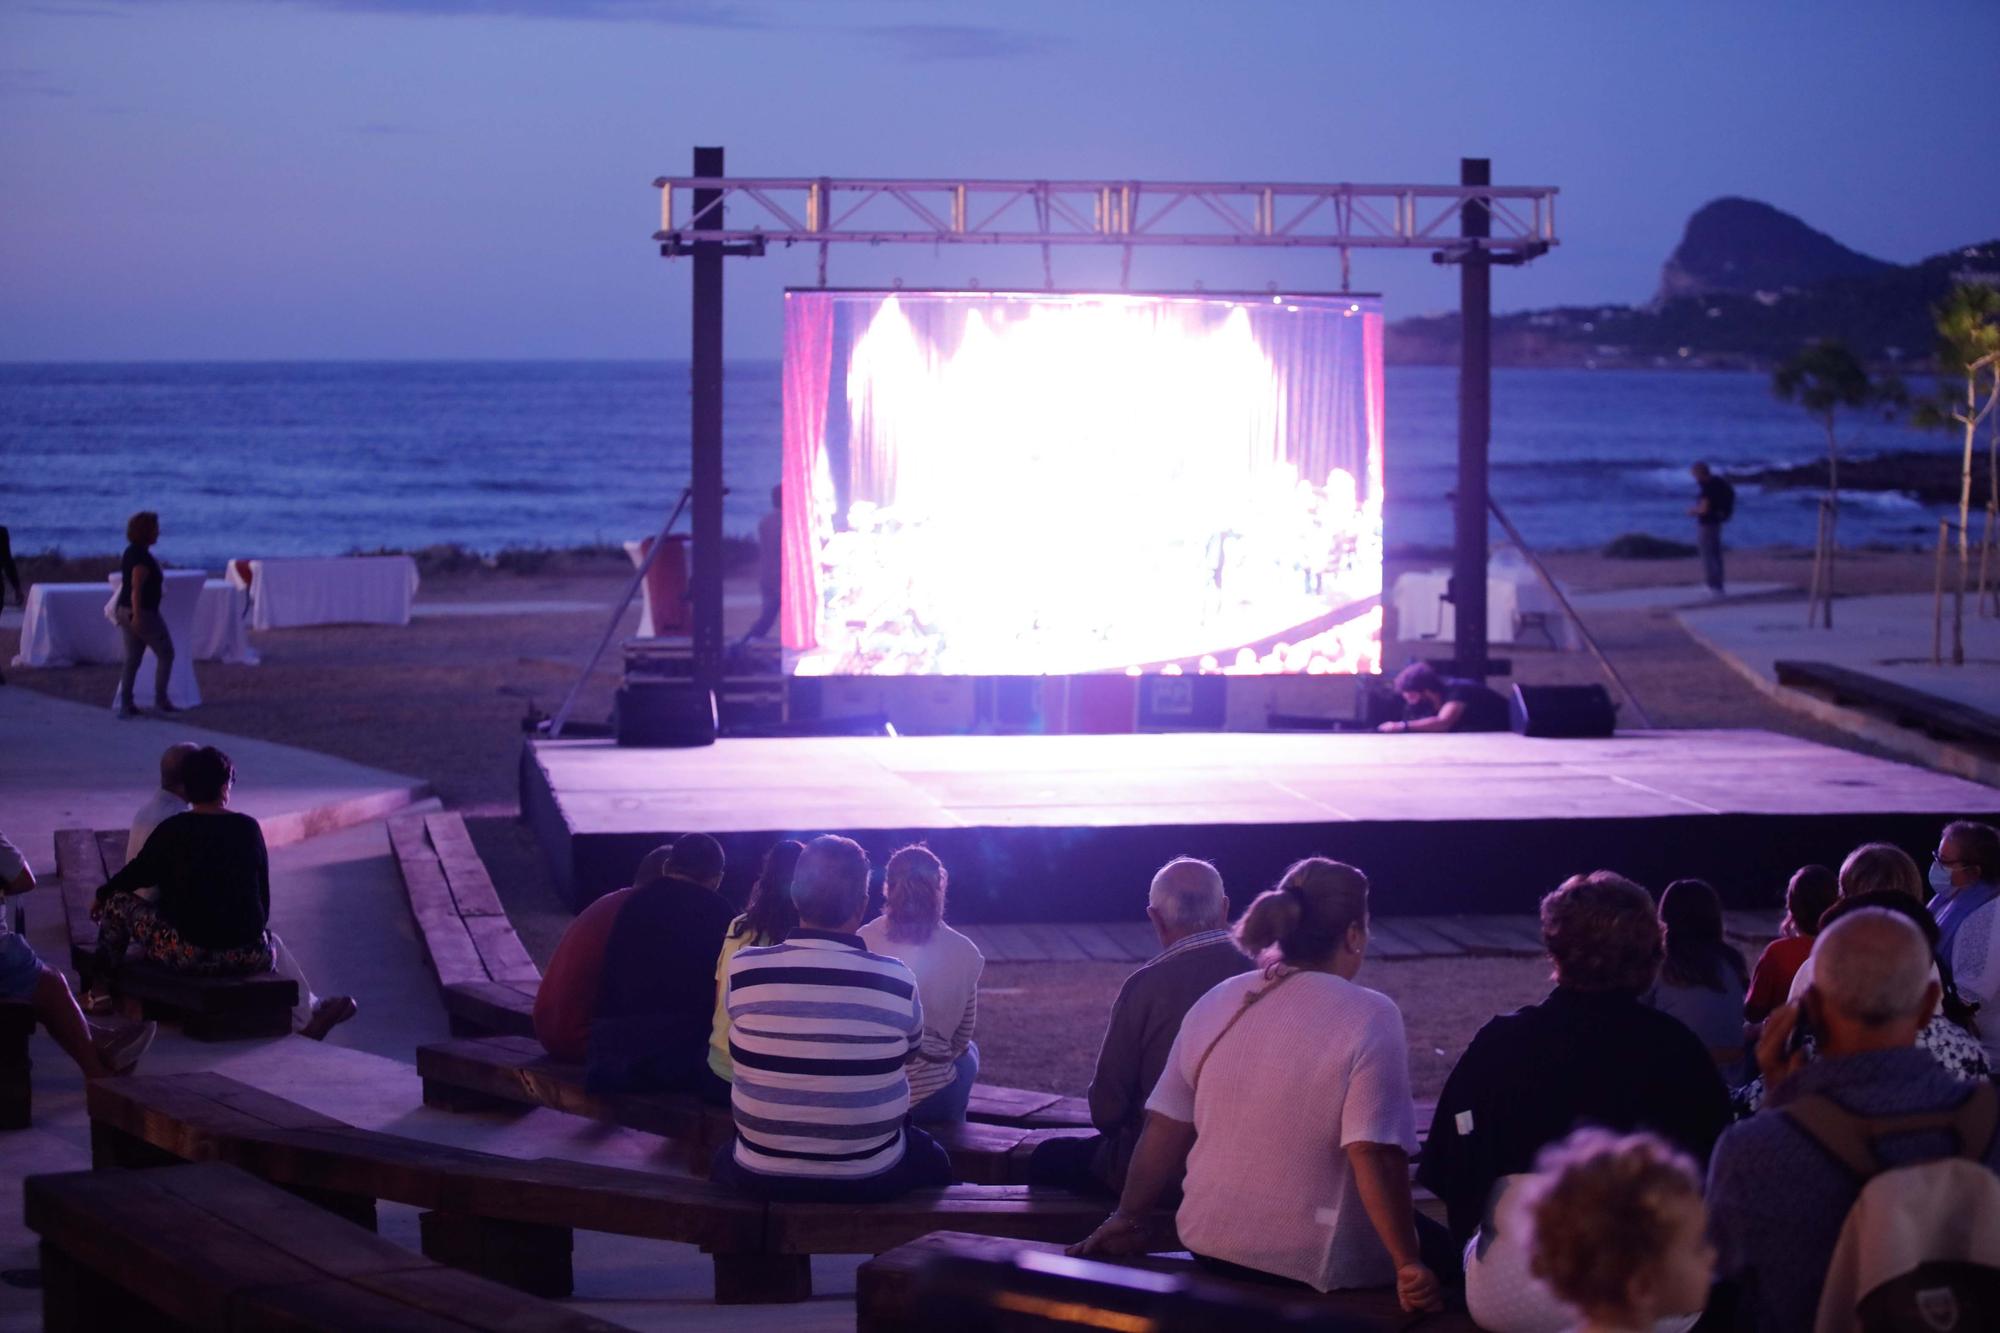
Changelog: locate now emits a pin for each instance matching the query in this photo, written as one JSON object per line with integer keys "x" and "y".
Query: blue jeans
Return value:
{"x": 1708, "y": 540}
{"x": 947, "y": 1104}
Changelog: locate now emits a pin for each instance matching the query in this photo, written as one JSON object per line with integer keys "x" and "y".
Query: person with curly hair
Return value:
{"x": 1620, "y": 1234}
{"x": 1592, "y": 1053}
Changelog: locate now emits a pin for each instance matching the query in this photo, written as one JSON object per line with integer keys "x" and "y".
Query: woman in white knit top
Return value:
{"x": 911, "y": 928}
{"x": 1287, "y": 1097}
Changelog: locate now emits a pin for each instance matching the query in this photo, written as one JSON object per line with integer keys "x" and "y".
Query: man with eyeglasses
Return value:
{"x": 1965, "y": 879}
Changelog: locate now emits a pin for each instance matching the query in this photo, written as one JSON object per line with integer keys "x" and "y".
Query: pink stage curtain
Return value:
{"x": 808, "y": 370}
{"x": 1371, "y": 358}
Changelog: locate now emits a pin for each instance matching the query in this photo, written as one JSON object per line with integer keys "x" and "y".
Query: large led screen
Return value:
{"x": 999, "y": 483}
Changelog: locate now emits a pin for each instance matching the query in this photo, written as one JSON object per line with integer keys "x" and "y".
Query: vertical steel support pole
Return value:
{"x": 1475, "y": 425}
{"x": 706, "y": 408}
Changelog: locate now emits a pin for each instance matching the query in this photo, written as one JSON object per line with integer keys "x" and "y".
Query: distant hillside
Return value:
{"x": 1741, "y": 246}
{"x": 1746, "y": 287}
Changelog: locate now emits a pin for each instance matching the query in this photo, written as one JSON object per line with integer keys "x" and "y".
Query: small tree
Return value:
{"x": 1968, "y": 349}
{"x": 1823, "y": 378}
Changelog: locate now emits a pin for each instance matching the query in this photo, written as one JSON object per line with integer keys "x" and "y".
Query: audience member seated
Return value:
{"x": 654, "y": 1006}
{"x": 1880, "y": 873}
{"x": 1190, "y": 916}
{"x": 947, "y": 965}
{"x": 1813, "y": 889}
{"x": 1702, "y": 977}
{"x": 567, "y": 997}
{"x": 1285, "y": 1105}
{"x": 1620, "y": 1235}
{"x": 1777, "y": 1197}
{"x": 770, "y": 918}
{"x": 1965, "y": 875}
{"x": 165, "y": 803}
{"x": 1433, "y": 702}
{"x": 98, "y": 1049}
{"x": 819, "y": 1033}
{"x": 1592, "y": 1054}
{"x": 214, "y": 880}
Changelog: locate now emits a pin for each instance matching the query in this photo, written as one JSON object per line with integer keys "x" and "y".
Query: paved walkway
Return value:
{"x": 1888, "y": 637}
{"x": 68, "y": 765}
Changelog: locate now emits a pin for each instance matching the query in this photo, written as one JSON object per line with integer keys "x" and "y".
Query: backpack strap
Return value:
{"x": 1850, "y": 1138}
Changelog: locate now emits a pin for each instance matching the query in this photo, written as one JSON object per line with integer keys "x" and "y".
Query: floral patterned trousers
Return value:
{"x": 125, "y": 918}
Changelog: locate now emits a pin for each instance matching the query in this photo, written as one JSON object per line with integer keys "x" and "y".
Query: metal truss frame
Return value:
{"x": 1251, "y": 215}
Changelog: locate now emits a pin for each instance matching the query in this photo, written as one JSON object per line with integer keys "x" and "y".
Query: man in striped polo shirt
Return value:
{"x": 819, "y": 1030}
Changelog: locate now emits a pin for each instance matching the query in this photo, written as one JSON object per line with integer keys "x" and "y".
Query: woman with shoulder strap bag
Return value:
{"x": 1286, "y": 1101}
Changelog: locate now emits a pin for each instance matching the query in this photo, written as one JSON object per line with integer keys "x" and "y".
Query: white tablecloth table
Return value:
{"x": 347, "y": 590}
{"x": 636, "y": 553}
{"x": 64, "y": 624}
{"x": 1511, "y": 593}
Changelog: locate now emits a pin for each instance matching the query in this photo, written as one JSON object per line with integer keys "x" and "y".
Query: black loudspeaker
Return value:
{"x": 664, "y": 713}
{"x": 1563, "y": 710}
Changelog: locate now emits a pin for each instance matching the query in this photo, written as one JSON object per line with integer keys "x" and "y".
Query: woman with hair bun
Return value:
{"x": 1287, "y": 1099}
{"x": 945, "y": 1064}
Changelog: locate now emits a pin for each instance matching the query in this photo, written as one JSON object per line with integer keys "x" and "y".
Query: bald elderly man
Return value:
{"x": 165, "y": 803}
{"x": 1776, "y": 1198}
{"x": 1190, "y": 915}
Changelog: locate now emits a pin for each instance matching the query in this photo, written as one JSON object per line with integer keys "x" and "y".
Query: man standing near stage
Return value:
{"x": 1715, "y": 503}
{"x": 1434, "y": 702}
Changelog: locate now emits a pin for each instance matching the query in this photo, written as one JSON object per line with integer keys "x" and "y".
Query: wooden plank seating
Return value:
{"x": 207, "y": 1008}
{"x": 889, "y": 1295}
{"x": 210, "y": 1246}
{"x": 486, "y": 976}
{"x": 490, "y": 1072}
{"x": 512, "y": 1219}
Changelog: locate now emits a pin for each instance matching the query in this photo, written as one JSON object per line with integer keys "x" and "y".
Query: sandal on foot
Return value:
{"x": 327, "y": 1015}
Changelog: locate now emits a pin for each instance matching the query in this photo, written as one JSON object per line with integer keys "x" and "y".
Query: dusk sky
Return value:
{"x": 363, "y": 179}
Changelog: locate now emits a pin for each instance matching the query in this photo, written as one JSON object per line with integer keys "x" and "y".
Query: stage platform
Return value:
{"x": 1070, "y": 828}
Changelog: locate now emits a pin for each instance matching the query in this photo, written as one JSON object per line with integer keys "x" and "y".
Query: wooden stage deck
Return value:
{"x": 1053, "y": 828}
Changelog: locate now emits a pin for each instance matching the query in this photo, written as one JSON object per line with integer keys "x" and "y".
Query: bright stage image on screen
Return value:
{"x": 988, "y": 483}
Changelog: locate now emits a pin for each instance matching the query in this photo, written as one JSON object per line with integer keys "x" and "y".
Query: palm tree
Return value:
{"x": 1823, "y": 378}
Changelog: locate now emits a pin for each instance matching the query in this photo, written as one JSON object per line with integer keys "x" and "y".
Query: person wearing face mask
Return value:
{"x": 1965, "y": 879}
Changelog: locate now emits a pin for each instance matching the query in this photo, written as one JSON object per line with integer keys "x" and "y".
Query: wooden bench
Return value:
{"x": 1945, "y": 719}
{"x": 487, "y": 979}
{"x": 996, "y": 1105}
{"x": 485, "y": 1073}
{"x": 210, "y": 1246}
{"x": 512, "y": 1219}
{"x": 891, "y": 1295}
{"x": 207, "y": 1008}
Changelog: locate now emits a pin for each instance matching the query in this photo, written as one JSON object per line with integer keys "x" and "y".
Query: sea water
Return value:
{"x": 324, "y": 458}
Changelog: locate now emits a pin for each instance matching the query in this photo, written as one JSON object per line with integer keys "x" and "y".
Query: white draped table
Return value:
{"x": 64, "y": 624}
{"x": 1422, "y": 613}
{"x": 347, "y": 590}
